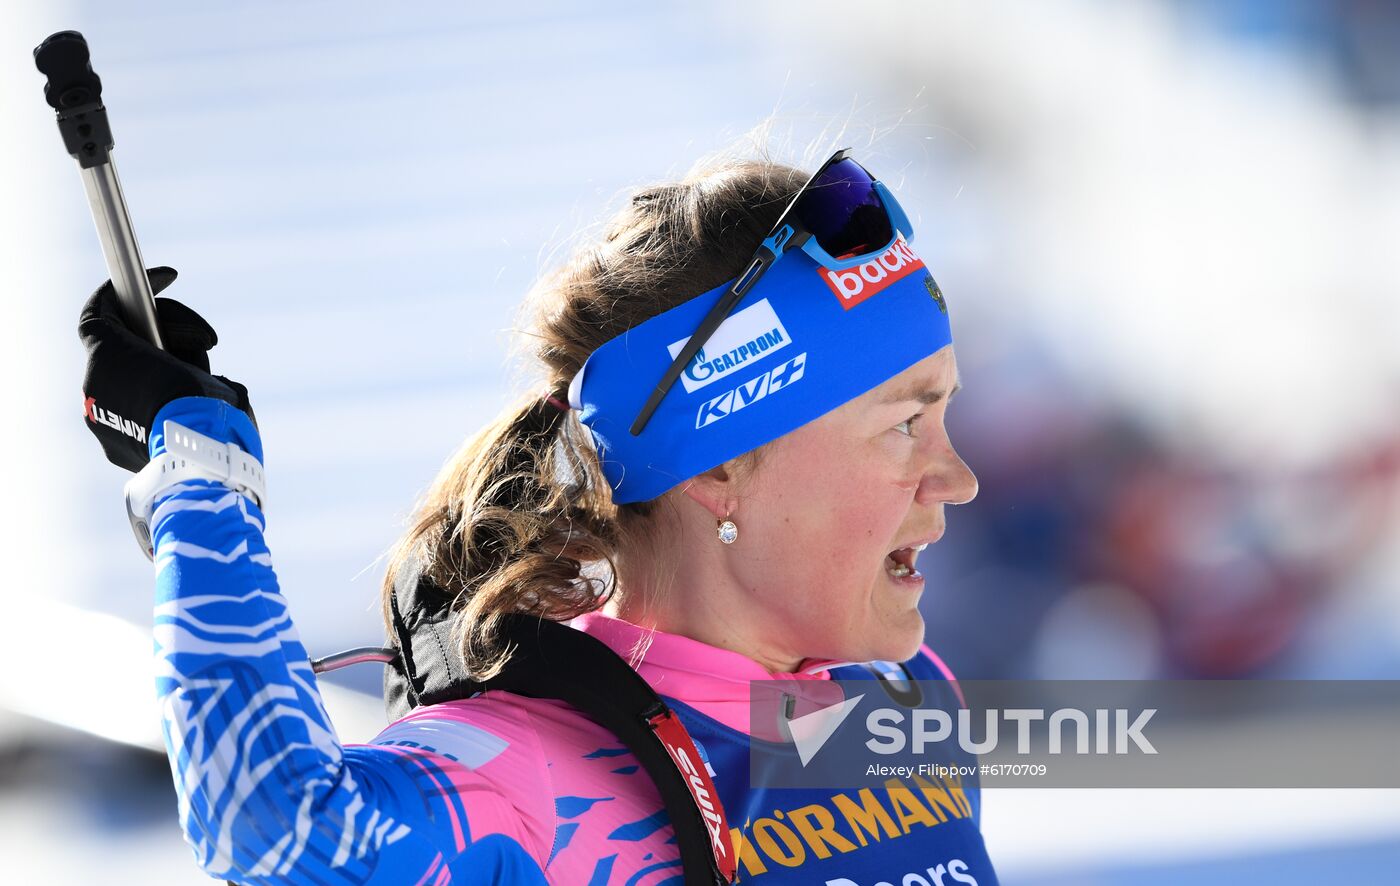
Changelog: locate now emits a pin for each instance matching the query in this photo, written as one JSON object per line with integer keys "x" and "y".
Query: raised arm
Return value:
{"x": 267, "y": 794}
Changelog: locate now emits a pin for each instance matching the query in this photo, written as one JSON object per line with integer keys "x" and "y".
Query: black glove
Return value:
{"x": 128, "y": 379}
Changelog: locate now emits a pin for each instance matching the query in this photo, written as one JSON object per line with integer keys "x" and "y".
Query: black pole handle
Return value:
{"x": 64, "y": 58}
{"x": 74, "y": 90}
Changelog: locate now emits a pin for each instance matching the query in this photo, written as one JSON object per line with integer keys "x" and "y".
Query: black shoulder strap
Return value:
{"x": 552, "y": 660}
{"x": 425, "y": 672}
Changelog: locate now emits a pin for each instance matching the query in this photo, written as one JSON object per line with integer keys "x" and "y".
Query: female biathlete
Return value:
{"x": 736, "y": 455}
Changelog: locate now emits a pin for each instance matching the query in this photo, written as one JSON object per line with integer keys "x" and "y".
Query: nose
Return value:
{"x": 947, "y": 479}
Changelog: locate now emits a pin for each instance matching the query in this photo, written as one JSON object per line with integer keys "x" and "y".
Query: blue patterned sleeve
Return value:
{"x": 266, "y": 792}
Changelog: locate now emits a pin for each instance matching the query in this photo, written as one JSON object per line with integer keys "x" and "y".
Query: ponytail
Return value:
{"x": 507, "y": 527}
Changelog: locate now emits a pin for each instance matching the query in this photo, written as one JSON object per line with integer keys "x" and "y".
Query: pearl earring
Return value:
{"x": 727, "y": 531}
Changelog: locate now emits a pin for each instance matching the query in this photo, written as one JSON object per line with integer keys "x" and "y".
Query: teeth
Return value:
{"x": 921, "y": 547}
{"x": 898, "y": 570}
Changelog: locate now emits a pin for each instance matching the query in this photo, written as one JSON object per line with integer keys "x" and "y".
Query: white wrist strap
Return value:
{"x": 189, "y": 455}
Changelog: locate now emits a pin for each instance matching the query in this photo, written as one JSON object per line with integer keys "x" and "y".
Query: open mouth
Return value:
{"x": 900, "y": 563}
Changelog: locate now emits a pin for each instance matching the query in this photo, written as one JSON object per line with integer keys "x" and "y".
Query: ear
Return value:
{"x": 713, "y": 490}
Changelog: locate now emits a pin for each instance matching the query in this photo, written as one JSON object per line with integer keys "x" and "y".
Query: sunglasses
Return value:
{"x": 841, "y": 218}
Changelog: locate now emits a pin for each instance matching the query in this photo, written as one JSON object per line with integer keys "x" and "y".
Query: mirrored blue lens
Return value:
{"x": 844, "y": 212}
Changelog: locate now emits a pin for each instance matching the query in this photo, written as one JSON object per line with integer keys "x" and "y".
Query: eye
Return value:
{"x": 906, "y": 427}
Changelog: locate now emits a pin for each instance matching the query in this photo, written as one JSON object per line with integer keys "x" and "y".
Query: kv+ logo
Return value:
{"x": 750, "y": 392}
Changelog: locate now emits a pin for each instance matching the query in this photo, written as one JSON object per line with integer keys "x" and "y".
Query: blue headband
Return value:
{"x": 803, "y": 341}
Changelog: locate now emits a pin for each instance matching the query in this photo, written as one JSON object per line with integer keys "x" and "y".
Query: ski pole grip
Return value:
{"x": 74, "y": 91}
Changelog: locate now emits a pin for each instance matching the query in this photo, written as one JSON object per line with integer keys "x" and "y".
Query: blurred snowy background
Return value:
{"x": 1168, "y": 231}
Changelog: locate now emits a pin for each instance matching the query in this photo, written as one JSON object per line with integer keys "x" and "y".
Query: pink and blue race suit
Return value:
{"x": 497, "y": 788}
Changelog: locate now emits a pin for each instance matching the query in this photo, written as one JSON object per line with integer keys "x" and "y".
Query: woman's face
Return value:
{"x": 833, "y": 515}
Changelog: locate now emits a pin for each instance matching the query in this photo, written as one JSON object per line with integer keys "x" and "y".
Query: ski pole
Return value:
{"x": 75, "y": 93}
